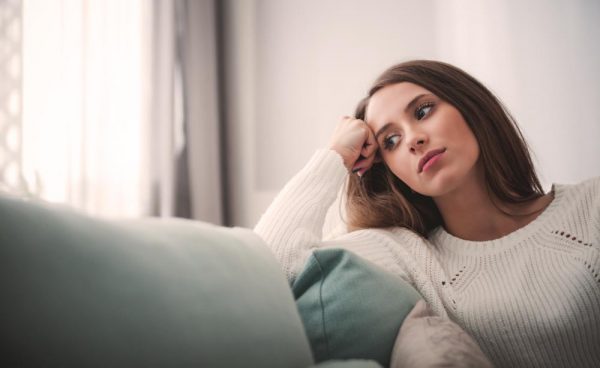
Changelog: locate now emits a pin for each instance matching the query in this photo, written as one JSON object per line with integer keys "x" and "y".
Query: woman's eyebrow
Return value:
{"x": 408, "y": 107}
{"x": 382, "y": 130}
{"x": 413, "y": 102}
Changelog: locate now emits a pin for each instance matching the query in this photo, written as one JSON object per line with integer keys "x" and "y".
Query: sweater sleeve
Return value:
{"x": 293, "y": 223}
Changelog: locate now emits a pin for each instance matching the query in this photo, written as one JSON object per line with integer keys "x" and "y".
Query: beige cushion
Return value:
{"x": 426, "y": 340}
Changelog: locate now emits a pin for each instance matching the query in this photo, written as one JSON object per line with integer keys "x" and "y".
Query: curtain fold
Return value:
{"x": 188, "y": 181}
{"x": 120, "y": 107}
{"x": 85, "y": 103}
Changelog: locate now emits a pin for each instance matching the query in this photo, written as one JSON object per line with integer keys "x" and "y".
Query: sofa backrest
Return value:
{"x": 79, "y": 291}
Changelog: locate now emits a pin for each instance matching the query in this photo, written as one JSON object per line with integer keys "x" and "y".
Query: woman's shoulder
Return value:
{"x": 397, "y": 235}
{"x": 584, "y": 188}
{"x": 590, "y": 189}
{"x": 592, "y": 183}
{"x": 577, "y": 200}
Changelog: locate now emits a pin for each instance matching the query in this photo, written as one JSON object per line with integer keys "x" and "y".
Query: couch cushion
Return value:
{"x": 79, "y": 291}
{"x": 351, "y": 308}
{"x": 428, "y": 340}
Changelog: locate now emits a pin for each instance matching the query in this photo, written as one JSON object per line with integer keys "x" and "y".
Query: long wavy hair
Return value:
{"x": 379, "y": 199}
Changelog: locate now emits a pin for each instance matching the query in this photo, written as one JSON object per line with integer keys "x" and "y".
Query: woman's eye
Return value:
{"x": 390, "y": 141}
{"x": 423, "y": 110}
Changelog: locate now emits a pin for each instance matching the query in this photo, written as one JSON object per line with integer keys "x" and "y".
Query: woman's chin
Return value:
{"x": 436, "y": 186}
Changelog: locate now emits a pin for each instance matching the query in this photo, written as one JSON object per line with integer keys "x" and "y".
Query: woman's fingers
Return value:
{"x": 370, "y": 147}
{"x": 354, "y": 140}
{"x": 368, "y": 153}
{"x": 362, "y": 165}
{"x": 349, "y": 138}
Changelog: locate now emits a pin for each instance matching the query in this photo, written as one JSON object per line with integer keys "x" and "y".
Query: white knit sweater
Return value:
{"x": 531, "y": 298}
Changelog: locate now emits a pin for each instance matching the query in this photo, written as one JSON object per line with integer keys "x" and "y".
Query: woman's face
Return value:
{"x": 424, "y": 140}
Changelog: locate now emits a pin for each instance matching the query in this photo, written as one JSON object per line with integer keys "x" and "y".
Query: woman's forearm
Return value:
{"x": 293, "y": 223}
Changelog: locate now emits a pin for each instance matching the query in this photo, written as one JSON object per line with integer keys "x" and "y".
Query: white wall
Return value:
{"x": 295, "y": 67}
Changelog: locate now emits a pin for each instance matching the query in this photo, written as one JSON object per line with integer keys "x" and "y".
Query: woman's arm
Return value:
{"x": 293, "y": 223}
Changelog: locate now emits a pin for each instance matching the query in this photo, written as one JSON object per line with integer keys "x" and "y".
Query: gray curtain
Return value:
{"x": 187, "y": 136}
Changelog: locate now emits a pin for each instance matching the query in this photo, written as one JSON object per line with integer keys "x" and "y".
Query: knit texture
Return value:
{"x": 530, "y": 298}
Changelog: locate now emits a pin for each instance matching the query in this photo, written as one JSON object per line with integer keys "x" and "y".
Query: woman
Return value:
{"x": 443, "y": 192}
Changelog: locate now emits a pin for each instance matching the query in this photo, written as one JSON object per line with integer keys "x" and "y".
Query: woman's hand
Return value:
{"x": 355, "y": 142}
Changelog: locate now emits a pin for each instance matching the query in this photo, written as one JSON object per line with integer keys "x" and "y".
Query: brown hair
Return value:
{"x": 379, "y": 199}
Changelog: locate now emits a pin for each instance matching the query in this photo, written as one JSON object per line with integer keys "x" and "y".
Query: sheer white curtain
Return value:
{"x": 120, "y": 106}
{"x": 85, "y": 103}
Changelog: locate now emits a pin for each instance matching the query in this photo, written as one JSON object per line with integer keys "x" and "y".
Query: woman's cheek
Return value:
{"x": 403, "y": 174}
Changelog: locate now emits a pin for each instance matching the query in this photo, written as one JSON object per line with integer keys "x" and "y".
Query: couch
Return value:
{"x": 84, "y": 292}
{"x": 79, "y": 291}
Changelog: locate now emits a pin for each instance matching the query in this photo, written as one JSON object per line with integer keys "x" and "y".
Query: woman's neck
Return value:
{"x": 470, "y": 213}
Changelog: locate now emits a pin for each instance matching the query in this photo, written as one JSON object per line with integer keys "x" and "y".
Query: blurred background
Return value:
{"x": 204, "y": 109}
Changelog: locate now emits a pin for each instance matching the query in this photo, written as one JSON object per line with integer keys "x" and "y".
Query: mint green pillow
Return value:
{"x": 83, "y": 292}
{"x": 351, "y": 308}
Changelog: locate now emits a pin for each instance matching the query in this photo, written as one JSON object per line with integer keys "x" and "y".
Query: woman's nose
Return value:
{"x": 417, "y": 141}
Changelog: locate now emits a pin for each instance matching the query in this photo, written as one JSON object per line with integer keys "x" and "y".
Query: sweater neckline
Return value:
{"x": 446, "y": 241}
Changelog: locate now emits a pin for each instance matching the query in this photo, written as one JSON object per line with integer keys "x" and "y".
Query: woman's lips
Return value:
{"x": 432, "y": 161}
